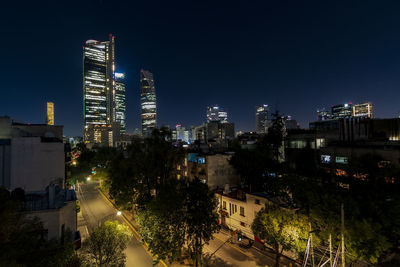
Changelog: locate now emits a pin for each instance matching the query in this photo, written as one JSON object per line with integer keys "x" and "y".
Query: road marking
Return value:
{"x": 130, "y": 226}
{"x": 87, "y": 230}
{"x": 241, "y": 251}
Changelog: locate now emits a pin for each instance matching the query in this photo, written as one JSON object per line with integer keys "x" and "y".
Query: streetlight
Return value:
{"x": 88, "y": 179}
{"x": 119, "y": 213}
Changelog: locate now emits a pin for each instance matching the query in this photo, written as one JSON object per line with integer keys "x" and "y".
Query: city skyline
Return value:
{"x": 198, "y": 64}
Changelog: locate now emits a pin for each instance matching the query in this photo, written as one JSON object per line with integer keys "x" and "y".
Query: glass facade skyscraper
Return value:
{"x": 103, "y": 89}
{"x": 216, "y": 113}
{"x": 342, "y": 111}
{"x": 120, "y": 102}
{"x": 148, "y": 102}
{"x": 262, "y": 121}
{"x": 98, "y": 83}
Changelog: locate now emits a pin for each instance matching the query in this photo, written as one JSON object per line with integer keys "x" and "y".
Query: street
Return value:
{"x": 231, "y": 255}
{"x": 95, "y": 210}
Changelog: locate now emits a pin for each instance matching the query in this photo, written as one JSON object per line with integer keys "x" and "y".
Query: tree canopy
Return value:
{"x": 105, "y": 246}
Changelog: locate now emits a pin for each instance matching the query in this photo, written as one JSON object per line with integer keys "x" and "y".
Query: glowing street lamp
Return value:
{"x": 119, "y": 213}
{"x": 88, "y": 179}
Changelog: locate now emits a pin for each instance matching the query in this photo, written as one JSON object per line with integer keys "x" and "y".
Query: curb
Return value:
{"x": 127, "y": 221}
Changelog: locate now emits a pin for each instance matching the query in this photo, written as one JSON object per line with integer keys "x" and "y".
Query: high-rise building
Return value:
{"x": 50, "y": 113}
{"x": 363, "y": 110}
{"x": 181, "y": 134}
{"x": 262, "y": 120}
{"x": 216, "y": 113}
{"x": 120, "y": 100}
{"x": 148, "y": 102}
{"x": 98, "y": 83}
{"x": 103, "y": 90}
{"x": 290, "y": 124}
{"x": 342, "y": 111}
{"x": 323, "y": 115}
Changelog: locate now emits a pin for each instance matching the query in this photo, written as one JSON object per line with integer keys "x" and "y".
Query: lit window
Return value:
{"x": 325, "y": 158}
{"x": 341, "y": 160}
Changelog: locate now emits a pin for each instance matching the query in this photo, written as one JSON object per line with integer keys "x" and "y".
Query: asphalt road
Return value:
{"x": 224, "y": 255}
{"x": 95, "y": 210}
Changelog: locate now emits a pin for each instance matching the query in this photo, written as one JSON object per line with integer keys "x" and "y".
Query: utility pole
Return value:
{"x": 311, "y": 246}
{"x": 343, "y": 256}
{"x": 330, "y": 250}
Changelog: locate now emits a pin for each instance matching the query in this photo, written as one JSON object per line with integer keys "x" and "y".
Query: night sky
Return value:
{"x": 294, "y": 55}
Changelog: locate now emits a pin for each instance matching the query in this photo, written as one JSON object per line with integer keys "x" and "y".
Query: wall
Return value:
{"x": 53, "y": 219}
{"x": 220, "y": 172}
{"x": 34, "y": 164}
{"x": 235, "y": 220}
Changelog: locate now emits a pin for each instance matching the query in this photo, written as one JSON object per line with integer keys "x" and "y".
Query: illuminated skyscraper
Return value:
{"x": 148, "y": 102}
{"x": 216, "y": 113}
{"x": 262, "y": 121}
{"x": 120, "y": 103}
{"x": 50, "y": 113}
{"x": 363, "y": 110}
{"x": 98, "y": 84}
{"x": 342, "y": 111}
{"x": 323, "y": 115}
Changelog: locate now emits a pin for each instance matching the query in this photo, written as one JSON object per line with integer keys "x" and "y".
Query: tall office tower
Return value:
{"x": 363, "y": 110}
{"x": 217, "y": 113}
{"x": 120, "y": 101}
{"x": 342, "y": 111}
{"x": 262, "y": 121}
{"x": 148, "y": 102}
{"x": 98, "y": 84}
{"x": 323, "y": 115}
{"x": 50, "y": 113}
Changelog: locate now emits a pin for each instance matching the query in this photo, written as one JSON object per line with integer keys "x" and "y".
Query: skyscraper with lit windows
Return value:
{"x": 98, "y": 83}
{"x": 50, "y": 113}
{"x": 216, "y": 113}
{"x": 262, "y": 119}
{"x": 120, "y": 100}
{"x": 148, "y": 102}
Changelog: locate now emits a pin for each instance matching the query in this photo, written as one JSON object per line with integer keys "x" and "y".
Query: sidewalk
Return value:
{"x": 253, "y": 255}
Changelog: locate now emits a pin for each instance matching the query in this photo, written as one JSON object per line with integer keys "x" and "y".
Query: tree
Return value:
{"x": 23, "y": 240}
{"x": 106, "y": 245}
{"x": 364, "y": 241}
{"x": 201, "y": 217}
{"x": 276, "y": 134}
{"x": 150, "y": 163}
{"x": 282, "y": 229}
{"x": 163, "y": 221}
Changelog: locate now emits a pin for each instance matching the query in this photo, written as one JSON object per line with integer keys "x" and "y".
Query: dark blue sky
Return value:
{"x": 296, "y": 55}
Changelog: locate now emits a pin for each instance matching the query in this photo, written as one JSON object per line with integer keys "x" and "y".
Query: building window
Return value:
{"x": 257, "y": 201}
{"x": 230, "y": 209}
{"x": 243, "y": 224}
{"x": 224, "y": 205}
{"x": 235, "y": 208}
{"x": 341, "y": 160}
{"x": 325, "y": 158}
{"x": 242, "y": 211}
